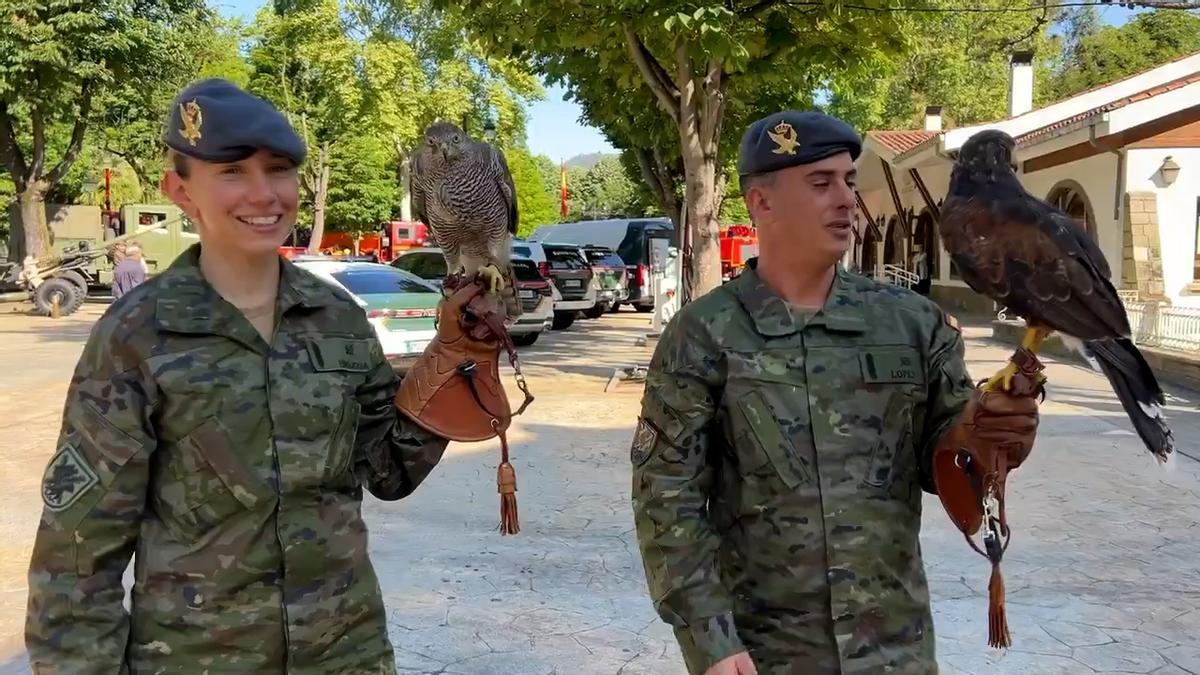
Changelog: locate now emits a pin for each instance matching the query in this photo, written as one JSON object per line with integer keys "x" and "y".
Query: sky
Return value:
{"x": 553, "y": 128}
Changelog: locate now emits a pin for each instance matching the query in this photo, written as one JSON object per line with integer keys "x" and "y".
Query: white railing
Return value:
{"x": 1157, "y": 325}
{"x": 898, "y": 276}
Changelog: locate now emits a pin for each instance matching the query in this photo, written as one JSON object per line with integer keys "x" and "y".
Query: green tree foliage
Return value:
{"x": 130, "y": 114}
{"x": 604, "y": 190}
{"x": 1101, "y": 55}
{"x": 59, "y": 60}
{"x": 697, "y": 60}
{"x": 363, "y": 191}
{"x": 538, "y": 203}
{"x": 957, "y": 60}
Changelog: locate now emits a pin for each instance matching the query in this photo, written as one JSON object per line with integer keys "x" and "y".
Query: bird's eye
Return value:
{"x": 456, "y": 139}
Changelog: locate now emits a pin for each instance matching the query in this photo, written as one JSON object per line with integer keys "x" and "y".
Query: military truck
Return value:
{"x": 85, "y": 249}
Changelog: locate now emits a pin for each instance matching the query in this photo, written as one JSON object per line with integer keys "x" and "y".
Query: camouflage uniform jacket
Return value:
{"x": 778, "y": 468}
{"x": 234, "y": 470}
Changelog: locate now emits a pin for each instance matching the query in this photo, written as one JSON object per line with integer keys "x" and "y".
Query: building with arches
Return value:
{"x": 1123, "y": 159}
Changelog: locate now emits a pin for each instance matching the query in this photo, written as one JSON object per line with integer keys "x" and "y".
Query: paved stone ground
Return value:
{"x": 1103, "y": 574}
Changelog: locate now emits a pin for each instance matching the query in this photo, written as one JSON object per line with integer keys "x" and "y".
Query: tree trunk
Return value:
{"x": 322, "y": 190}
{"x": 661, "y": 179}
{"x": 33, "y": 219}
{"x": 695, "y": 101}
{"x": 405, "y": 177}
{"x": 705, "y": 253}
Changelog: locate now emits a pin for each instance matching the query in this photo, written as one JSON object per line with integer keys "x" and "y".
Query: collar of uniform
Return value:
{"x": 843, "y": 308}
{"x": 298, "y": 288}
{"x": 773, "y": 316}
{"x": 188, "y": 303}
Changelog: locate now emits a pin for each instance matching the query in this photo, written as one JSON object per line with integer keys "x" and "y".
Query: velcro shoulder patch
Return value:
{"x": 644, "y": 439}
{"x": 952, "y": 321}
{"x": 68, "y": 477}
{"x": 340, "y": 354}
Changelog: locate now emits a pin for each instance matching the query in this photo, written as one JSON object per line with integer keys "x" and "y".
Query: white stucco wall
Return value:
{"x": 1176, "y": 213}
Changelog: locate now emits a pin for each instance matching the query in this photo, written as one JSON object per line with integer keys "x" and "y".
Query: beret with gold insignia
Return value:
{"x": 790, "y": 138}
{"x": 214, "y": 120}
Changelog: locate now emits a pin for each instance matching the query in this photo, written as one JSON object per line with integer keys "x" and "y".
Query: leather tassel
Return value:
{"x": 997, "y": 622}
{"x": 506, "y": 481}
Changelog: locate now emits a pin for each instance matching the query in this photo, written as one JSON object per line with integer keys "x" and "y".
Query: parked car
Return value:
{"x": 534, "y": 290}
{"x": 534, "y": 251}
{"x": 399, "y": 305}
{"x": 572, "y": 275}
{"x": 630, "y": 238}
{"x": 612, "y": 280}
{"x": 427, "y": 263}
{"x": 537, "y": 303}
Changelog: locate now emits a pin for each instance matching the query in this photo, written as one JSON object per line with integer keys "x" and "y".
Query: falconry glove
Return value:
{"x": 454, "y": 389}
{"x": 971, "y": 463}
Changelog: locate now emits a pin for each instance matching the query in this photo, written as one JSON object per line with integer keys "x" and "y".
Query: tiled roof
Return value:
{"x": 901, "y": 141}
{"x": 1119, "y": 103}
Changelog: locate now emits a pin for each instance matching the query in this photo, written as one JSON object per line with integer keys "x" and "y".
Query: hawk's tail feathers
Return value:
{"x": 1138, "y": 390}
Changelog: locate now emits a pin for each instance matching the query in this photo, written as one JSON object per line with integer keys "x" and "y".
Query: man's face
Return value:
{"x": 246, "y": 207}
{"x": 806, "y": 212}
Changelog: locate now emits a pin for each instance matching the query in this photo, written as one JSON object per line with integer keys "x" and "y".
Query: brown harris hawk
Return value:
{"x": 1040, "y": 264}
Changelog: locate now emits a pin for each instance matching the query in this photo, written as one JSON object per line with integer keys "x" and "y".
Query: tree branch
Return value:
{"x": 654, "y": 74}
{"x": 758, "y": 9}
{"x": 85, "y": 110}
{"x": 10, "y": 152}
{"x": 712, "y": 106}
{"x": 685, "y": 77}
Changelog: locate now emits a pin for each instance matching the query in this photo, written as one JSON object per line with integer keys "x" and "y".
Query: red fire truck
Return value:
{"x": 739, "y": 243}
{"x": 392, "y": 238}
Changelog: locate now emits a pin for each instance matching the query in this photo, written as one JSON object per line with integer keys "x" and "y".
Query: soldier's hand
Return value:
{"x": 738, "y": 664}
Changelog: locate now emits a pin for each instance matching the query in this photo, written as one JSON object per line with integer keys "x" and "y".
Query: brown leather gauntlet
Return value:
{"x": 992, "y": 437}
{"x": 454, "y": 389}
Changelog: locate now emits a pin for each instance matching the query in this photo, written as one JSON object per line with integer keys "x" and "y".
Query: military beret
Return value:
{"x": 792, "y": 138}
{"x": 214, "y": 120}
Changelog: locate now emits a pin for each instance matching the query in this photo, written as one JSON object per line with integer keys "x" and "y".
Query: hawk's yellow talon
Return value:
{"x": 495, "y": 278}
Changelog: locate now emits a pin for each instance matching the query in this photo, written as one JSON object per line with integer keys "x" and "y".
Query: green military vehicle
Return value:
{"x": 86, "y": 246}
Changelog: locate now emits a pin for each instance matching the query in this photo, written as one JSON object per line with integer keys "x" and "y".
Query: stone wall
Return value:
{"x": 1177, "y": 368}
{"x": 962, "y": 301}
{"x": 1141, "y": 267}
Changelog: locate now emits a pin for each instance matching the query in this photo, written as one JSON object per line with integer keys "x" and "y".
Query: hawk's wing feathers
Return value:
{"x": 507, "y": 188}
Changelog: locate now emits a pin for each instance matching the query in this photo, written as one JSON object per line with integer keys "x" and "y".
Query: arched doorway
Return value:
{"x": 866, "y": 259}
{"x": 1070, "y": 197}
{"x": 893, "y": 243}
{"x": 925, "y": 236}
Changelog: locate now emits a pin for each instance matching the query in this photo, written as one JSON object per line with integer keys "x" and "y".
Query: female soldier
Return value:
{"x": 221, "y": 423}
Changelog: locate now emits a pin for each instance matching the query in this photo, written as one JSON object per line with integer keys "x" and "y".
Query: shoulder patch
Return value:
{"x": 952, "y": 322}
{"x": 68, "y": 477}
{"x": 643, "y": 442}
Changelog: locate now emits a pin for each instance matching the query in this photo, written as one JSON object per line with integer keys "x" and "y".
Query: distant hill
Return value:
{"x": 586, "y": 161}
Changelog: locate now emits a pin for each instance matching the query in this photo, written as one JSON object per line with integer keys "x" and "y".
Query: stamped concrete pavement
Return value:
{"x": 1103, "y": 573}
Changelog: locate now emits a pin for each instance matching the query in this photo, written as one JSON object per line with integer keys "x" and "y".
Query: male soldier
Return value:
{"x": 786, "y": 433}
{"x": 222, "y": 423}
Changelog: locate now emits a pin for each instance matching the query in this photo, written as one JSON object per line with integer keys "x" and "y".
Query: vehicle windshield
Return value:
{"x": 526, "y": 270}
{"x": 376, "y": 280}
{"x": 522, "y": 250}
{"x": 564, "y": 259}
{"x": 603, "y": 257}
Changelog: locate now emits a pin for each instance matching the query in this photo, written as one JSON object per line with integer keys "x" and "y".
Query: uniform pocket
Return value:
{"x": 339, "y": 461}
{"x": 764, "y": 429}
{"x": 202, "y": 483}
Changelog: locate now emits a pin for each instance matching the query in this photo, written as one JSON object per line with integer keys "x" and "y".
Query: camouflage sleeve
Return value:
{"x": 394, "y": 455}
{"x": 672, "y": 480}
{"x": 94, "y": 496}
{"x": 950, "y": 388}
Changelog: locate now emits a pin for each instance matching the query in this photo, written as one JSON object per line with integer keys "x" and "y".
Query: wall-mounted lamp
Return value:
{"x": 1169, "y": 170}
